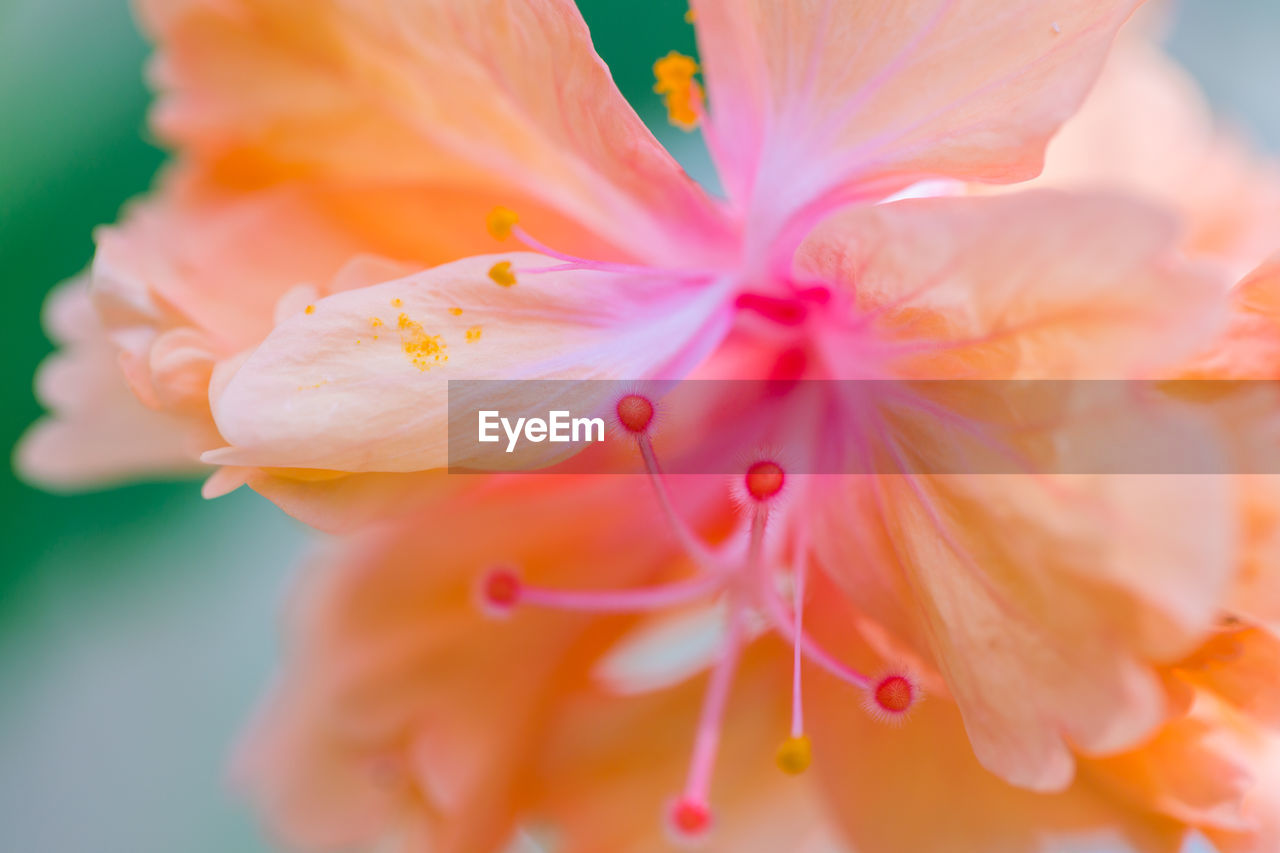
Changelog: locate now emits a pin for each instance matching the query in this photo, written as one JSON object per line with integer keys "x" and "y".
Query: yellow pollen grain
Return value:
{"x": 423, "y": 351}
{"x": 310, "y": 309}
{"x": 794, "y": 755}
{"x": 457, "y": 312}
{"x": 690, "y": 16}
{"x": 501, "y": 274}
{"x": 396, "y": 303}
{"x": 681, "y": 94}
{"x": 375, "y": 322}
{"x": 500, "y": 222}
{"x": 473, "y": 334}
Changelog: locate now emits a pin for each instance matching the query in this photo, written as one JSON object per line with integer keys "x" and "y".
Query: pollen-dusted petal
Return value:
{"x": 320, "y": 392}
{"x": 813, "y": 98}
{"x": 509, "y": 99}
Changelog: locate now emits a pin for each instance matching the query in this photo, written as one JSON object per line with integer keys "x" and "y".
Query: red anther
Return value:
{"x": 788, "y": 312}
{"x": 894, "y": 694}
{"x": 500, "y": 589}
{"x": 690, "y": 817}
{"x": 635, "y": 413}
{"x": 764, "y": 480}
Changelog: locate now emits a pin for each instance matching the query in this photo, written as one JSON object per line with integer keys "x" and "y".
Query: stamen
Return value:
{"x": 893, "y": 697}
{"x": 690, "y": 819}
{"x": 810, "y": 647}
{"x": 690, "y": 815}
{"x": 764, "y": 480}
{"x": 797, "y": 607}
{"x": 692, "y": 545}
{"x": 681, "y": 94}
{"x": 500, "y": 222}
{"x": 621, "y": 601}
{"x": 500, "y": 591}
{"x": 635, "y": 413}
{"x": 501, "y": 274}
{"x": 794, "y": 755}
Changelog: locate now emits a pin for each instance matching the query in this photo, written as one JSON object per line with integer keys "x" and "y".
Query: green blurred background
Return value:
{"x": 137, "y": 626}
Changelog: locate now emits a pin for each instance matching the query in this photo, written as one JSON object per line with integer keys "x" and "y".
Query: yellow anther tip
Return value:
{"x": 794, "y": 755}
{"x": 680, "y": 92}
{"x": 500, "y": 222}
{"x": 501, "y": 274}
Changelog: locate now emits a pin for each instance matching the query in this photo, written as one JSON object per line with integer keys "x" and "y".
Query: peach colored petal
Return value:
{"x": 917, "y": 787}
{"x": 1147, "y": 129}
{"x": 1044, "y": 604}
{"x": 480, "y": 93}
{"x": 413, "y": 702}
{"x": 821, "y": 99}
{"x": 360, "y": 384}
{"x": 594, "y": 807}
{"x": 1239, "y": 667}
{"x": 98, "y": 433}
{"x": 1033, "y": 285}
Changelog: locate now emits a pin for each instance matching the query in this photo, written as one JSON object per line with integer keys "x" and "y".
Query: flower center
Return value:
{"x": 747, "y": 578}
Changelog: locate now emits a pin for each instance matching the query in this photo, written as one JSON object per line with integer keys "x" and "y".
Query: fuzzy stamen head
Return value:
{"x": 689, "y": 817}
{"x": 500, "y": 590}
{"x": 794, "y": 755}
{"x": 764, "y": 480}
{"x": 635, "y": 413}
{"x": 892, "y": 697}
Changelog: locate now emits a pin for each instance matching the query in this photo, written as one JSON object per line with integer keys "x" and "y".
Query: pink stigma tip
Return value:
{"x": 894, "y": 694}
{"x": 764, "y": 480}
{"x": 690, "y": 817}
{"x": 635, "y": 413}
{"x": 500, "y": 589}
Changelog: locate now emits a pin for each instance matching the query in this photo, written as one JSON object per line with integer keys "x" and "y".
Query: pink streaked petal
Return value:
{"x": 818, "y": 101}
{"x": 360, "y": 383}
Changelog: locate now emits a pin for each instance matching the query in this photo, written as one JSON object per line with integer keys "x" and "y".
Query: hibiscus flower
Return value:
{"x": 290, "y": 274}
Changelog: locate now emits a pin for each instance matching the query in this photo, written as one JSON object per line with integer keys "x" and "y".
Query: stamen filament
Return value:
{"x": 573, "y": 262}
{"x": 621, "y": 601}
{"x": 797, "y": 607}
{"x": 707, "y": 741}
{"x": 694, "y": 546}
{"x": 810, "y": 647}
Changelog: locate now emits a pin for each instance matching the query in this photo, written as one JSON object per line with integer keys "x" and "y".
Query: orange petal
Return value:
{"x": 480, "y": 94}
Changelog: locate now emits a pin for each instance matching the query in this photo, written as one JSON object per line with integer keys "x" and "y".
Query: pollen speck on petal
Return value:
{"x": 501, "y": 274}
